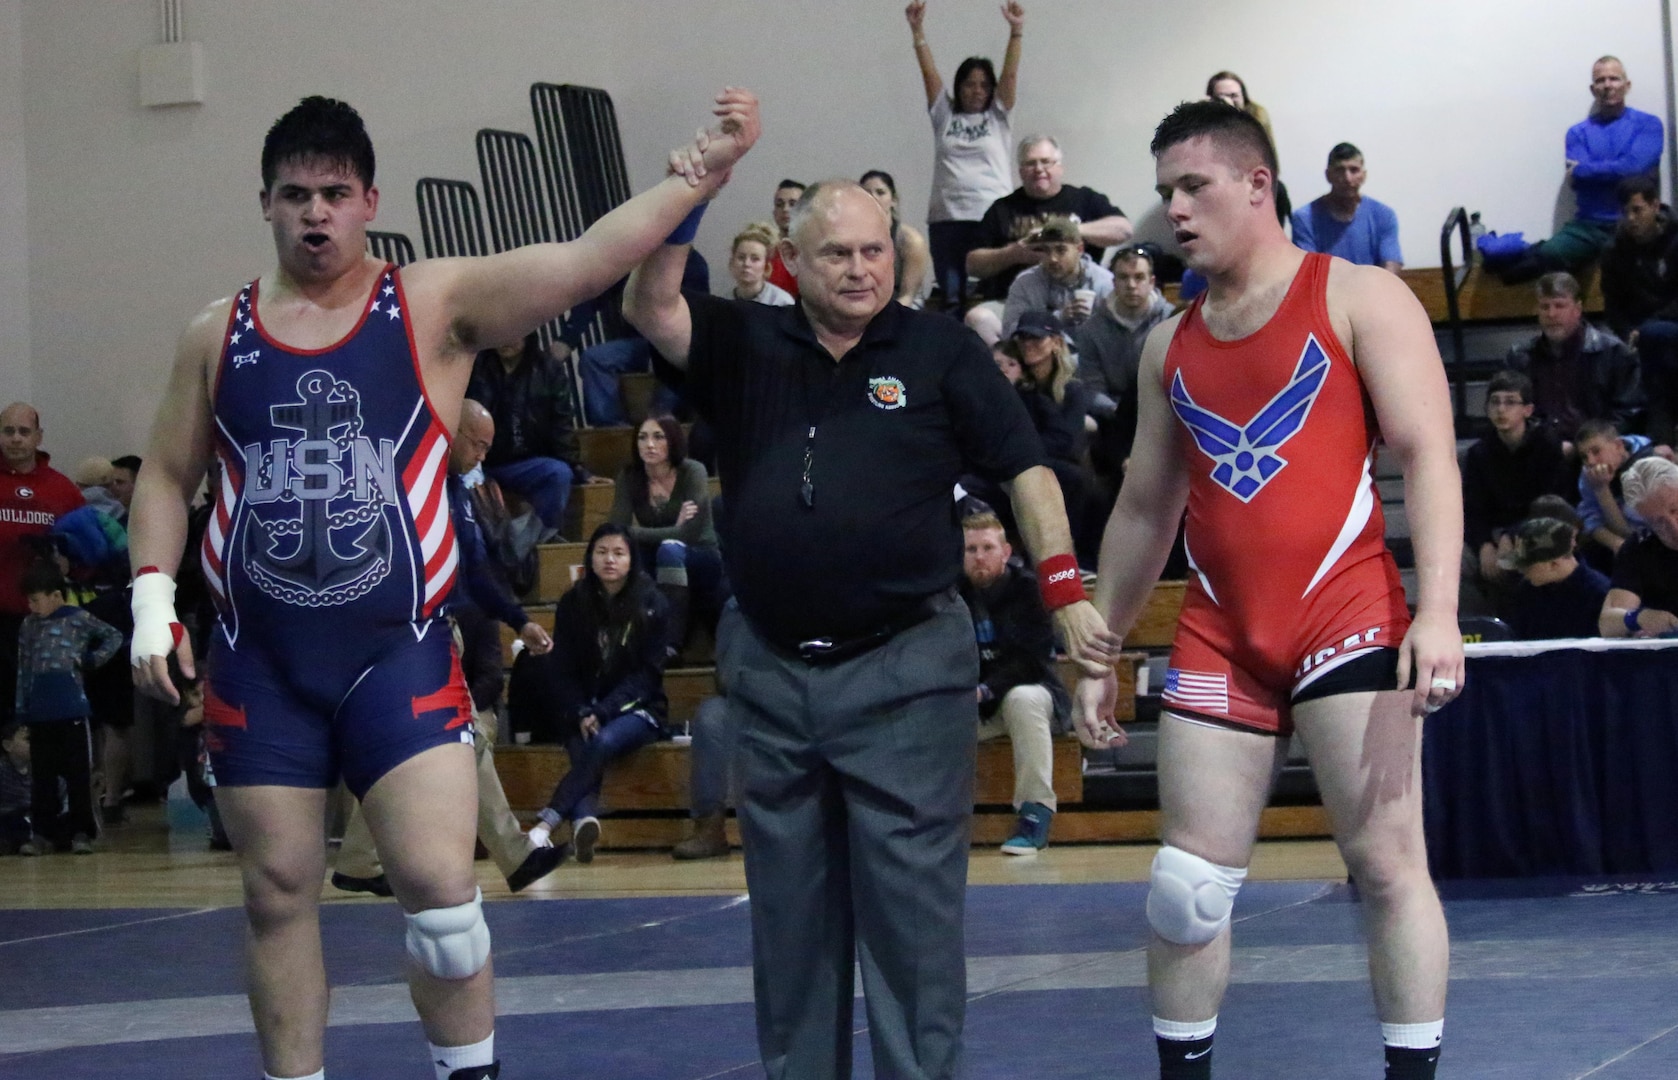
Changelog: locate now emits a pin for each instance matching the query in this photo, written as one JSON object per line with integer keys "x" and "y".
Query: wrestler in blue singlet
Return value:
{"x": 329, "y": 554}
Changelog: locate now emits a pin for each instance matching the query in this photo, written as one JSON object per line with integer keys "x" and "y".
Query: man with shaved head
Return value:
{"x": 843, "y": 424}
{"x": 33, "y": 495}
{"x": 1614, "y": 143}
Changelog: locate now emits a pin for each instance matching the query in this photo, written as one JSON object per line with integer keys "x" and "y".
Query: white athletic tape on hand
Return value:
{"x": 156, "y": 629}
{"x": 1444, "y": 684}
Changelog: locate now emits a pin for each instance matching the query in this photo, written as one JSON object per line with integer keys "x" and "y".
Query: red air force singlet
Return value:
{"x": 1285, "y": 533}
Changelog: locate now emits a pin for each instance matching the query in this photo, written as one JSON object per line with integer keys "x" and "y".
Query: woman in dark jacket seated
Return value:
{"x": 605, "y": 679}
{"x": 664, "y": 499}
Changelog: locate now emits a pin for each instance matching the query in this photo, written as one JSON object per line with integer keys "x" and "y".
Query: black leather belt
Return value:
{"x": 822, "y": 651}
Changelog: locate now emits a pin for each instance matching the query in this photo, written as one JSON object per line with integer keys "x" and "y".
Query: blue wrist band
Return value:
{"x": 1631, "y": 619}
{"x": 689, "y": 228}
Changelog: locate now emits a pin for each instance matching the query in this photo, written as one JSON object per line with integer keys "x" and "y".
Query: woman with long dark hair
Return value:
{"x": 972, "y": 144}
{"x": 663, "y": 501}
{"x": 911, "y": 259}
{"x": 605, "y": 679}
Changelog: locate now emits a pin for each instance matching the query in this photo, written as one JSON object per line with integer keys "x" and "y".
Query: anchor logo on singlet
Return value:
{"x": 337, "y": 546}
{"x": 1245, "y": 458}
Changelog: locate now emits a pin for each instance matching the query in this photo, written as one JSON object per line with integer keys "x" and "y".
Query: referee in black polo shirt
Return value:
{"x": 843, "y": 423}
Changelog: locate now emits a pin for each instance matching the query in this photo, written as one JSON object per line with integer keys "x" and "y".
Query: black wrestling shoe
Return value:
{"x": 378, "y": 886}
{"x": 478, "y": 1072}
{"x": 538, "y": 864}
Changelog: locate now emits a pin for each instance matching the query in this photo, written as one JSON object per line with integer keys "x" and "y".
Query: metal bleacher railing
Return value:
{"x": 392, "y": 247}
{"x": 531, "y": 196}
{"x": 1456, "y": 222}
{"x": 451, "y": 219}
{"x": 584, "y": 169}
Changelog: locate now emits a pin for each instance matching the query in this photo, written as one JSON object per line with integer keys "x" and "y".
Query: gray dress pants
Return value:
{"x": 856, "y": 805}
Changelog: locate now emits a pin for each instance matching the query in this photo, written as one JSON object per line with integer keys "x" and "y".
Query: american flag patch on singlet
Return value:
{"x": 1199, "y": 690}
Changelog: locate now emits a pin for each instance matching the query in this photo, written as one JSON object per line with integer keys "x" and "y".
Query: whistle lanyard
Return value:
{"x": 815, "y": 415}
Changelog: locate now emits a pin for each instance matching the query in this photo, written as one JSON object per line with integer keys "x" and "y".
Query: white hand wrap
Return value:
{"x": 156, "y": 629}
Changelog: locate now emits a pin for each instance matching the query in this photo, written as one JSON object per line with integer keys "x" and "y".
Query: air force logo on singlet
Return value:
{"x": 324, "y": 539}
{"x": 1245, "y": 458}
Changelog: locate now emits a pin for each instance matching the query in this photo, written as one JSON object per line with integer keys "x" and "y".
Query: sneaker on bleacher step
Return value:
{"x": 81, "y": 845}
{"x": 35, "y": 845}
{"x": 584, "y": 835}
{"x": 1031, "y": 831}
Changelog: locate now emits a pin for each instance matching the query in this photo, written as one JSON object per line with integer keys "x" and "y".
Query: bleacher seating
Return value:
{"x": 1483, "y": 297}
{"x": 646, "y": 793}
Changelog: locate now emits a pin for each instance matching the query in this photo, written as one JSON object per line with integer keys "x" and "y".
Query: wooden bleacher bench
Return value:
{"x": 1483, "y": 296}
{"x": 635, "y": 390}
{"x": 654, "y": 780}
{"x": 590, "y": 506}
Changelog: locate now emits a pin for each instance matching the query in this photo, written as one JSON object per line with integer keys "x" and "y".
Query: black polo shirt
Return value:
{"x": 1649, "y": 569}
{"x": 914, "y": 405}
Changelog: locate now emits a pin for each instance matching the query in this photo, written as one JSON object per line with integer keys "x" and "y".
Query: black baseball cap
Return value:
{"x": 1039, "y": 324}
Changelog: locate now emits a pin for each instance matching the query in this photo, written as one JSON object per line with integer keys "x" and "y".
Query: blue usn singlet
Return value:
{"x": 330, "y": 550}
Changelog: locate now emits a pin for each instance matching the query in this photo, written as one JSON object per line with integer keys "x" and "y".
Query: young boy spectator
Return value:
{"x": 1501, "y": 475}
{"x": 1638, "y": 266}
{"x": 1019, "y": 693}
{"x": 1640, "y": 294}
{"x": 1606, "y": 454}
{"x": 1065, "y": 281}
{"x": 1558, "y": 596}
{"x": 14, "y": 788}
{"x": 748, "y": 265}
{"x": 56, "y": 643}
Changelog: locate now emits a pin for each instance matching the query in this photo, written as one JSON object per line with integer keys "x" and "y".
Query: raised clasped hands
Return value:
{"x": 706, "y": 162}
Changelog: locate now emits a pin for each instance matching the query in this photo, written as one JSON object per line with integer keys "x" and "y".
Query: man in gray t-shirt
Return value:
{"x": 1109, "y": 346}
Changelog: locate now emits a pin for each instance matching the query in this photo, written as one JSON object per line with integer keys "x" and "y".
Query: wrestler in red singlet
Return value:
{"x": 1285, "y": 533}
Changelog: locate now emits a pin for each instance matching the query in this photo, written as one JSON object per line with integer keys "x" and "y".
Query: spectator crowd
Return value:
{"x": 1570, "y": 493}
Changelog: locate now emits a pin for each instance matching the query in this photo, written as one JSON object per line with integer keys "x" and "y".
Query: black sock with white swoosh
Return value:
{"x": 1185, "y": 1049}
{"x": 1185, "y": 1059}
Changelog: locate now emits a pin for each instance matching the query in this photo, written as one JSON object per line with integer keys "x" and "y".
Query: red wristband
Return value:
{"x": 144, "y": 570}
{"x": 1059, "y": 581}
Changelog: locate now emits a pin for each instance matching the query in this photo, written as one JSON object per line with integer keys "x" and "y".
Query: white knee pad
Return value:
{"x": 1189, "y": 899}
{"x": 451, "y": 942}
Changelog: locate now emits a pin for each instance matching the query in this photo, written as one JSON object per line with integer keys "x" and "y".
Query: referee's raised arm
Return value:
{"x": 652, "y": 301}
{"x": 654, "y": 306}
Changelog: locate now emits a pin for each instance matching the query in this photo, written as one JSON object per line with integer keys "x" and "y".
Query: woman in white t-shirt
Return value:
{"x": 972, "y": 166}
